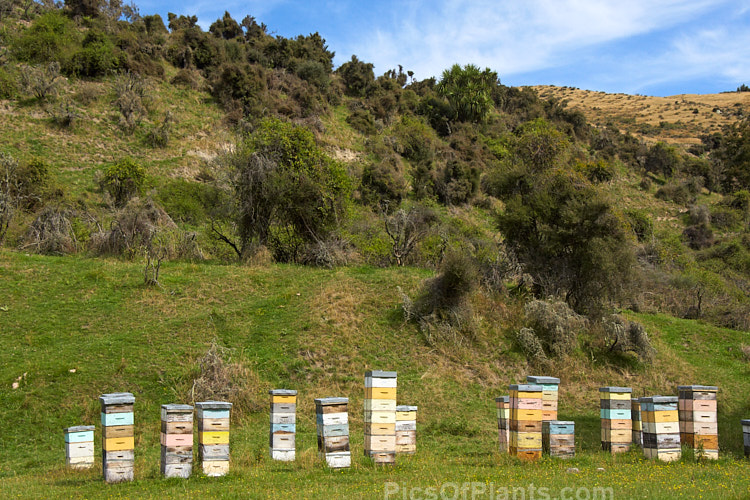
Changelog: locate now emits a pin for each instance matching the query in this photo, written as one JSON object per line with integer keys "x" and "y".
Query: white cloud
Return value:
{"x": 514, "y": 37}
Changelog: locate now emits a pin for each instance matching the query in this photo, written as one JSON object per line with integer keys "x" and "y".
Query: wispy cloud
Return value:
{"x": 515, "y": 37}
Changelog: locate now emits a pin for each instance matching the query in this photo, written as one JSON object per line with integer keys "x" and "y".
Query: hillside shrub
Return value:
{"x": 530, "y": 344}
{"x": 8, "y": 83}
{"x": 187, "y": 201}
{"x": 362, "y": 121}
{"x": 641, "y": 224}
{"x": 122, "y": 180}
{"x": 682, "y": 192}
{"x": 130, "y": 91}
{"x": 97, "y": 56}
{"x": 383, "y": 182}
{"x": 51, "y": 232}
{"x": 41, "y": 82}
{"x": 52, "y": 37}
{"x": 442, "y": 308}
{"x": 133, "y": 231}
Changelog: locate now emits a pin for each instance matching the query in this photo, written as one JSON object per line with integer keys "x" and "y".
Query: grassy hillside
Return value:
{"x": 583, "y": 173}
{"x": 679, "y": 119}
{"x": 74, "y": 328}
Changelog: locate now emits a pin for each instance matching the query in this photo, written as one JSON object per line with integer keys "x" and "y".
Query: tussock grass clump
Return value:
{"x": 555, "y": 326}
{"x": 222, "y": 379}
{"x": 442, "y": 309}
{"x": 627, "y": 336}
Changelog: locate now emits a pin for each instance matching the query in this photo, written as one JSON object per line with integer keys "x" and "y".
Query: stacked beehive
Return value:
{"x": 332, "y": 415}
{"x": 79, "y": 446}
{"x": 746, "y": 436}
{"x": 617, "y": 426}
{"x": 550, "y": 391}
{"x": 213, "y": 436}
{"x": 283, "y": 424}
{"x": 635, "y": 417}
{"x": 503, "y": 421}
{"x": 698, "y": 423}
{"x": 661, "y": 428}
{"x": 406, "y": 429}
{"x": 525, "y": 436}
{"x": 118, "y": 437}
{"x": 176, "y": 440}
{"x": 558, "y": 438}
{"x": 380, "y": 416}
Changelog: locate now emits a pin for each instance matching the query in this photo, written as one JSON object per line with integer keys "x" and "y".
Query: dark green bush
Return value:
{"x": 362, "y": 121}
{"x": 51, "y": 38}
{"x": 641, "y": 224}
{"x": 97, "y": 57}
{"x": 8, "y": 83}
{"x": 186, "y": 201}
{"x": 358, "y": 77}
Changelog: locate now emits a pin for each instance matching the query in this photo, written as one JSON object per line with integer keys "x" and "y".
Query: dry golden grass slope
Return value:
{"x": 685, "y": 117}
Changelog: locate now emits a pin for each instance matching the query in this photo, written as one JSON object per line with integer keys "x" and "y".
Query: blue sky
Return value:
{"x": 652, "y": 47}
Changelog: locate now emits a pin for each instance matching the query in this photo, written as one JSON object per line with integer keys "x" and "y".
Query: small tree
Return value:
{"x": 468, "y": 90}
{"x": 406, "y": 229}
{"x": 287, "y": 191}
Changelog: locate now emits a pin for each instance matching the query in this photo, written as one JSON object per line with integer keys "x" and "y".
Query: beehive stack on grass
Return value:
{"x": 332, "y": 416}
{"x": 176, "y": 440}
{"x": 698, "y": 419}
{"x": 380, "y": 416}
{"x": 616, "y": 418}
{"x": 213, "y": 436}
{"x": 661, "y": 428}
{"x": 79, "y": 446}
{"x": 118, "y": 436}
{"x": 503, "y": 422}
{"x": 525, "y": 434}
{"x": 558, "y": 438}
{"x": 406, "y": 429}
{"x": 282, "y": 443}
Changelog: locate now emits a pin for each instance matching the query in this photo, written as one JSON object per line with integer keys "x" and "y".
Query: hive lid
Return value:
{"x": 214, "y": 405}
{"x": 615, "y": 389}
{"x": 178, "y": 408}
{"x": 380, "y": 374}
{"x": 502, "y": 399}
{"x": 746, "y": 422}
{"x": 331, "y": 401}
{"x": 534, "y": 379}
{"x": 406, "y": 408}
{"x": 558, "y": 422}
{"x": 701, "y": 388}
{"x": 659, "y": 399}
{"x": 78, "y": 428}
{"x": 526, "y": 387}
{"x": 282, "y": 392}
{"x": 117, "y": 398}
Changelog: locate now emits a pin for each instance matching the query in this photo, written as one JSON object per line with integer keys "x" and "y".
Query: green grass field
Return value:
{"x": 73, "y": 328}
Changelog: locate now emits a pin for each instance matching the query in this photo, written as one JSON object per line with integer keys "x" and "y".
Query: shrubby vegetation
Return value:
{"x": 509, "y": 198}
